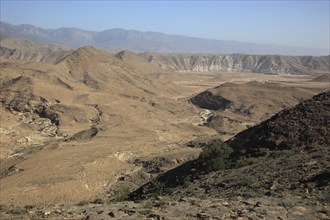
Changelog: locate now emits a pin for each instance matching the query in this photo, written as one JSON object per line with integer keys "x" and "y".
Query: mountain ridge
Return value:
{"x": 28, "y": 50}
{"x": 271, "y": 64}
{"x": 138, "y": 41}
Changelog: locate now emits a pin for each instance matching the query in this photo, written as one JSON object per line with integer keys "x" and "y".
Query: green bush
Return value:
{"x": 215, "y": 156}
{"x": 157, "y": 187}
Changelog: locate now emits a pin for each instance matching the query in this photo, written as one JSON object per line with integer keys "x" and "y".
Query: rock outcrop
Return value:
{"x": 268, "y": 64}
{"x": 210, "y": 101}
{"x": 302, "y": 128}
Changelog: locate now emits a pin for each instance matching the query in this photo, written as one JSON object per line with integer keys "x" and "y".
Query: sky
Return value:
{"x": 293, "y": 23}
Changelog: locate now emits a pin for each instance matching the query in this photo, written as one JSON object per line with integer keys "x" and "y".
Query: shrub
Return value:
{"x": 98, "y": 201}
{"x": 246, "y": 161}
{"x": 122, "y": 193}
{"x": 215, "y": 156}
{"x": 84, "y": 202}
{"x": 157, "y": 188}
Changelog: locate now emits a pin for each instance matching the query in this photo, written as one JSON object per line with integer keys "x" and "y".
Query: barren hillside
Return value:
{"x": 268, "y": 64}
{"x": 84, "y": 121}
{"x": 95, "y": 126}
{"x": 22, "y": 49}
{"x": 234, "y": 107}
{"x": 285, "y": 157}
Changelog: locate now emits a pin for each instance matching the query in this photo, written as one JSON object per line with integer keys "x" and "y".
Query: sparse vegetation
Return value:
{"x": 18, "y": 211}
{"x": 246, "y": 161}
{"x": 215, "y": 156}
{"x": 98, "y": 201}
{"x": 282, "y": 153}
{"x": 161, "y": 202}
{"x": 253, "y": 194}
{"x": 123, "y": 193}
{"x": 240, "y": 181}
{"x": 82, "y": 203}
{"x": 157, "y": 187}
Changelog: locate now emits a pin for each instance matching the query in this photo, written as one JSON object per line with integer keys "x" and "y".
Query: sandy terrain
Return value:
{"x": 69, "y": 130}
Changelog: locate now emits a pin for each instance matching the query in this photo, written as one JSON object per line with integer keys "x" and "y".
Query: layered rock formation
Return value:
{"x": 268, "y": 64}
{"x": 22, "y": 49}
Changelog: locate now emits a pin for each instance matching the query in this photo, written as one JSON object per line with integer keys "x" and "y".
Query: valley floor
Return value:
{"x": 138, "y": 138}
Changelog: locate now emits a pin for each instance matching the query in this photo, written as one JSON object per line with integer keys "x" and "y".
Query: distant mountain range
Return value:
{"x": 28, "y": 50}
{"x": 119, "y": 39}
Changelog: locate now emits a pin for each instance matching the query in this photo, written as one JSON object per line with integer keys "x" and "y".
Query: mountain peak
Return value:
{"x": 125, "y": 53}
{"x": 87, "y": 54}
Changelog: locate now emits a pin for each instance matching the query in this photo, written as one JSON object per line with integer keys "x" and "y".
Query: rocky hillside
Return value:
{"x": 119, "y": 39}
{"x": 302, "y": 128}
{"x": 22, "y": 49}
{"x": 284, "y": 157}
{"x": 137, "y": 62}
{"x": 78, "y": 136}
{"x": 234, "y": 107}
{"x": 268, "y": 64}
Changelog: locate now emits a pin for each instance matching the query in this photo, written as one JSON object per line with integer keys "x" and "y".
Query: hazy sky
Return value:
{"x": 295, "y": 23}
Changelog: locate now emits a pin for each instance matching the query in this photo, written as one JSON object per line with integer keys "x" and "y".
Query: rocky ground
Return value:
{"x": 286, "y": 183}
{"x": 296, "y": 167}
{"x": 240, "y": 208}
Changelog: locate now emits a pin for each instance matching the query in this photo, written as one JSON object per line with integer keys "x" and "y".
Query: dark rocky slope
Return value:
{"x": 284, "y": 157}
{"x": 210, "y": 101}
{"x": 302, "y": 128}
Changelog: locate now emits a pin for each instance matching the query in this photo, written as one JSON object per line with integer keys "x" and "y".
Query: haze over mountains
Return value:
{"x": 137, "y": 41}
{"x": 28, "y": 50}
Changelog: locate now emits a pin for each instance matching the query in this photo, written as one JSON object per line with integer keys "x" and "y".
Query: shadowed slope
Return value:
{"x": 281, "y": 156}
{"x": 304, "y": 127}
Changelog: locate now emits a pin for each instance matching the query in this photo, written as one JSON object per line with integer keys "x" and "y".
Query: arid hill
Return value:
{"x": 27, "y": 50}
{"x": 285, "y": 157}
{"x": 70, "y": 130}
{"x": 302, "y": 128}
{"x": 137, "y": 62}
{"x": 236, "y": 106}
{"x": 23, "y": 49}
{"x": 267, "y": 64}
{"x": 322, "y": 78}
